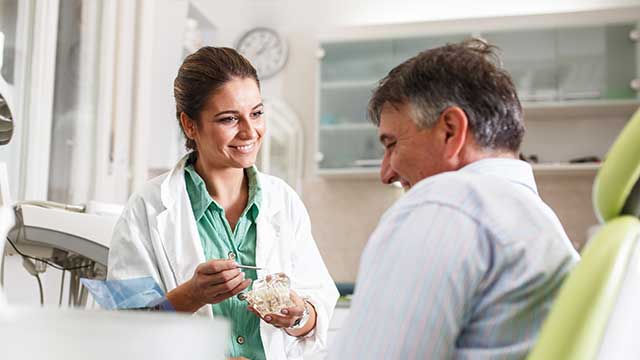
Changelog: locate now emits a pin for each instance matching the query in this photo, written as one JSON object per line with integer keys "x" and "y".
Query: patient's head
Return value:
{"x": 444, "y": 108}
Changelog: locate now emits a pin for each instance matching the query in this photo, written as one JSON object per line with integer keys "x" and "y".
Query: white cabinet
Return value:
{"x": 572, "y": 79}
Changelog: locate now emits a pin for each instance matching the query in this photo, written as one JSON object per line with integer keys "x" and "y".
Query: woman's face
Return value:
{"x": 231, "y": 126}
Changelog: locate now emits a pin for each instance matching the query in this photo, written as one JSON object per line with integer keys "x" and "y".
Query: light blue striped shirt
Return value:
{"x": 464, "y": 266}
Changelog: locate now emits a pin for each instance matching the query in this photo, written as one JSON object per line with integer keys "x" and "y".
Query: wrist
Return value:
{"x": 303, "y": 319}
{"x": 183, "y": 299}
{"x": 308, "y": 326}
{"x": 161, "y": 304}
{"x": 192, "y": 295}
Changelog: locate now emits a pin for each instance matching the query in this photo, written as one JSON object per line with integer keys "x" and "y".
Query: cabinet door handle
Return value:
{"x": 634, "y": 35}
{"x": 635, "y": 84}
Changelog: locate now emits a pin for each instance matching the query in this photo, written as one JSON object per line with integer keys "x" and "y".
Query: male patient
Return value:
{"x": 467, "y": 263}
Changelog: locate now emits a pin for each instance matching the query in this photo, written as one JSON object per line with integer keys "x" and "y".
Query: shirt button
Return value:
{"x": 240, "y": 340}
{"x": 232, "y": 255}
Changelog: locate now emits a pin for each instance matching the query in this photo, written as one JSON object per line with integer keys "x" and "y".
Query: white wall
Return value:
{"x": 303, "y": 23}
{"x": 376, "y": 12}
{"x": 169, "y": 22}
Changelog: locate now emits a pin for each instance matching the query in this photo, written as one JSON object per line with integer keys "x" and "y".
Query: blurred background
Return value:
{"x": 92, "y": 86}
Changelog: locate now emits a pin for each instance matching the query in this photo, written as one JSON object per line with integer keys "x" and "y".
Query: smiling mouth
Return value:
{"x": 244, "y": 148}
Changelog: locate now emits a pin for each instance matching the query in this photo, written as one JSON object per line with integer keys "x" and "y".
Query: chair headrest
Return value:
{"x": 616, "y": 190}
{"x": 632, "y": 205}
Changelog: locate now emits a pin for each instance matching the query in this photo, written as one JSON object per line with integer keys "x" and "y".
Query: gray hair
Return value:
{"x": 467, "y": 75}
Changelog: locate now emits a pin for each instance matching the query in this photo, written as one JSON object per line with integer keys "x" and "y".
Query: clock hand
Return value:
{"x": 262, "y": 49}
{"x": 265, "y": 45}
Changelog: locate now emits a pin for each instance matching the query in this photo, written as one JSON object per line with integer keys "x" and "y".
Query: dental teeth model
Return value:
{"x": 270, "y": 295}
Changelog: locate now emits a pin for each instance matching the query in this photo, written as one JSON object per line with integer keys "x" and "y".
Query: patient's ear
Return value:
{"x": 454, "y": 124}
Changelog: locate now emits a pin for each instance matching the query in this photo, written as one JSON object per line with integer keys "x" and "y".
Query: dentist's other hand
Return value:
{"x": 289, "y": 316}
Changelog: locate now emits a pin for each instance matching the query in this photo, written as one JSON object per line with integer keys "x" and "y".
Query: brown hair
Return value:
{"x": 467, "y": 75}
{"x": 201, "y": 75}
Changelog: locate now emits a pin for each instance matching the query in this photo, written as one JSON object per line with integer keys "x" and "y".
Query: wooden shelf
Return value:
{"x": 565, "y": 168}
{"x": 580, "y": 108}
{"x": 373, "y": 172}
{"x": 348, "y": 84}
{"x": 347, "y": 126}
{"x": 364, "y": 173}
{"x": 554, "y": 109}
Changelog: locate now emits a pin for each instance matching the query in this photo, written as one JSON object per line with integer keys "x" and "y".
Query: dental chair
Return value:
{"x": 597, "y": 310}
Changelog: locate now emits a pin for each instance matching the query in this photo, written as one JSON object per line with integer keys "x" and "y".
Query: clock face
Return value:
{"x": 266, "y": 50}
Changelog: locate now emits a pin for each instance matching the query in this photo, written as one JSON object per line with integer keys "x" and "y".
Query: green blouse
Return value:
{"x": 219, "y": 241}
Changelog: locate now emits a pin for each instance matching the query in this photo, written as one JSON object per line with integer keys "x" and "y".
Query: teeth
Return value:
{"x": 245, "y": 147}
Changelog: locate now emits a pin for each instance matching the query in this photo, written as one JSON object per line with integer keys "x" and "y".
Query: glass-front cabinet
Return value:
{"x": 345, "y": 138}
{"x": 571, "y": 69}
{"x": 563, "y": 64}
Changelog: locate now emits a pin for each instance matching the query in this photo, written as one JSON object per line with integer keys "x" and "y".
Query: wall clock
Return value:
{"x": 266, "y": 50}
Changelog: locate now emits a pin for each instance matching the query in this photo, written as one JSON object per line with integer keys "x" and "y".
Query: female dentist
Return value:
{"x": 190, "y": 228}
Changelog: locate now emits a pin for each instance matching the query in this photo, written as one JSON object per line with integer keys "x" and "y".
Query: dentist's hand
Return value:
{"x": 213, "y": 281}
{"x": 288, "y": 316}
{"x": 217, "y": 280}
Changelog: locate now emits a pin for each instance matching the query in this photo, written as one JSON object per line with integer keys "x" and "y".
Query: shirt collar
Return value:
{"x": 514, "y": 170}
{"x": 201, "y": 200}
{"x": 255, "y": 193}
{"x": 199, "y": 196}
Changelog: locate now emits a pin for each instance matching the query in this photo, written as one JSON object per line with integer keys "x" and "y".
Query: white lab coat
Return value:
{"x": 157, "y": 236}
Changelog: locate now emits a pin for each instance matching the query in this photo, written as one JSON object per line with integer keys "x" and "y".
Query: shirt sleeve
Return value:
{"x": 418, "y": 275}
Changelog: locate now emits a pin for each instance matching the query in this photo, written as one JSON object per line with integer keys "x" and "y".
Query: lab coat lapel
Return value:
{"x": 181, "y": 242}
{"x": 268, "y": 229}
{"x": 265, "y": 244}
{"x": 177, "y": 227}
